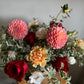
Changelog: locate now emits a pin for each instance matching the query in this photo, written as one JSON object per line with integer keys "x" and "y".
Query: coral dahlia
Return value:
{"x": 56, "y": 37}
{"x": 18, "y": 29}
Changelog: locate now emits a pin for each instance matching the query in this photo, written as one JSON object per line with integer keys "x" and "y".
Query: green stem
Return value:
{"x": 58, "y": 15}
{"x": 1, "y": 65}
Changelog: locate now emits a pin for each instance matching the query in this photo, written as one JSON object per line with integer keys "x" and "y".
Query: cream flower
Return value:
{"x": 35, "y": 22}
{"x": 36, "y": 78}
{"x": 41, "y": 33}
{"x": 71, "y": 60}
{"x": 11, "y": 54}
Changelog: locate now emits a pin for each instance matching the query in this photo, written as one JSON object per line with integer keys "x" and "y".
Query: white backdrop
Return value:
{"x": 27, "y": 9}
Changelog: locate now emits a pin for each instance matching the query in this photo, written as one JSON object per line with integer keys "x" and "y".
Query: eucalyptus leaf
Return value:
{"x": 4, "y": 36}
{"x": 52, "y": 73}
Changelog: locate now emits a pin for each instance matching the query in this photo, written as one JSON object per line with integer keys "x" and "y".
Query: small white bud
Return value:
{"x": 71, "y": 60}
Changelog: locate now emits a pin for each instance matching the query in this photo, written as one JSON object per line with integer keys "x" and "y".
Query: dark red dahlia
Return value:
{"x": 52, "y": 23}
{"x": 58, "y": 64}
{"x": 31, "y": 38}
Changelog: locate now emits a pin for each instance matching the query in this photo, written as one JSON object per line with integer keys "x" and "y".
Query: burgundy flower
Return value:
{"x": 31, "y": 38}
{"x": 58, "y": 64}
{"x": 16, "y": 69}
{"x": 52, "y": 23}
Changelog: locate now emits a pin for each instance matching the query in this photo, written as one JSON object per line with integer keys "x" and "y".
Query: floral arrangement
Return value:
{"x": 37, "y": 52}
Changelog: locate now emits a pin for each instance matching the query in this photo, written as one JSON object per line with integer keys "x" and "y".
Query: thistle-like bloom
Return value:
{"x": 18, "y": 29}
{"x": 38, "y": 56}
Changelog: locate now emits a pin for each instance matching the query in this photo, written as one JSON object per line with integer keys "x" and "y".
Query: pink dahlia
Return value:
{"x": 56, "y": 37}
{"x": 18, "y": 29}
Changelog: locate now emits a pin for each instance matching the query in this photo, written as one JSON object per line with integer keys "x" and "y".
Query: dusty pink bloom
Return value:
{"x": 18, "y": 29}
{"x": 56, "y": 37}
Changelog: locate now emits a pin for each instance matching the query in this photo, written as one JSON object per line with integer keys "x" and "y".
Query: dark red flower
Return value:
{"x": 31, "y": 38}
{"x": 16, "y": 69}
{"x": 58, "y": 64}
{"x": 52, "y": 23}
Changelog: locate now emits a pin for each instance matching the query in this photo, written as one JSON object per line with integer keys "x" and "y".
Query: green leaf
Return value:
{"x": 81, "y": 64}
{"x": 4, "y": 36}
{"x": 53, "y": 78}
{"x": 68, "y": 80}
{"x": 63, "y": 74}
{"x": 57, "y": 82}
{"x": 52, "y": 73}
{"x": 62, "y": 65}
{"x": 45, "y": 76}
{"x": 14, "y": 38}
{"x": 71, "y": 33}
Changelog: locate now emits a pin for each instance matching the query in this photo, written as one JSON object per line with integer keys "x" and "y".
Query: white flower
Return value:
{"x": 71, "y": 60}
{"x": 11, "y": 54}
{"x": 35, "y": 22}
{"x": 41, "y": 33}
{"x": 36, "y": 78}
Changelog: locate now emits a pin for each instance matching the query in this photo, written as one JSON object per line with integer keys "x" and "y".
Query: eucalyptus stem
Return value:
{"x": 58, "y": 14}
{"x": 1, "y": 65}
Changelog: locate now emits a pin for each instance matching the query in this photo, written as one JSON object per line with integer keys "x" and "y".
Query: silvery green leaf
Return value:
{"x": 53, "y": 78}
{"x": 63, "y": 74}
{"x": 19, "y": 46}
{"x": 68, "y": 80}
{"x": 45, "y": 76}
{"x": 8, "y": 44}
{"x": 52, "y": 73}
{"x": 62, "y": 65}
{"x": 57, "y": 82}
{"x": 4, "y": 36}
